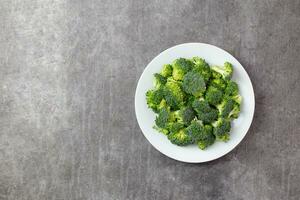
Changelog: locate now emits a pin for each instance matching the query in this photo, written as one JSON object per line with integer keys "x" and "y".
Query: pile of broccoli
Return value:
{"x": 194, "y": 102}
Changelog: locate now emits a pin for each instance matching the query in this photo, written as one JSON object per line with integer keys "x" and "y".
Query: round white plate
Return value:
{"x": 191, "y": 153}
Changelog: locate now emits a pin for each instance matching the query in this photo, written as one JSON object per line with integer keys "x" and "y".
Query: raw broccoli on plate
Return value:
{"x": 194, "y": 102}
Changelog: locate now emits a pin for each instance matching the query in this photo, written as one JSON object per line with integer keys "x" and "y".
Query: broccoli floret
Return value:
{"x": 195, "y": 130}
{"x": 225, "y": 71}
{"x": 231, "y": 89}
{"x": 221, "y": 129}
{"x": 202, "y": 135}
{"x": 175, "y": 127}
{"x": 159, "y": 80}
{"x": 202, "y": 67}
{"x": 193, "y": 83}
{"x": 166, "y": 70}
{"x": 230, "y": 106}
{"x": 204, "y": 112}
{"x": 209, "y": 138}
{"x": 213, "y": 96}
{"x": 173, "y": 94}
{"x": 164, "y": 131}
{"x": 218, "y": 83}
{"x": 225, "y": 107}
{"x": 162, "y": 119}
{"x": 234, "y": 113}
{"x": 215, "y": 75}
{"x": 154, "y": 98}
{"x": 180, "y": 138}
{"x": 180, "y": 67}
{"x": 185, "y": 115}
{"x": 237, "y": 98}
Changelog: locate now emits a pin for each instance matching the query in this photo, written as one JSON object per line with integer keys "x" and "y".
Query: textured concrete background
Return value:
{"x": 68, "y": 72}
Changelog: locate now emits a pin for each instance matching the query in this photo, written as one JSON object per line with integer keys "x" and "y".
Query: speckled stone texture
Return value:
{"x": 68, "y": 72}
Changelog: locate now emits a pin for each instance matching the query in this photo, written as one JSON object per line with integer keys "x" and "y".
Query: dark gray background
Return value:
{"x": 68, "y": 72}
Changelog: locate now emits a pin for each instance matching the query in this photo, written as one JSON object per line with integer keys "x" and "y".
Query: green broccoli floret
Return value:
{"x": 164, "y": 131}
{"x": 209, "y": 138}
{"x": 180, "y": 138}
{"x": 195, "y": 130}
{"x": 162, "y": 119}
{"x": 230, "y": 106}
{"x": 154, "y": 98}
{"x": 204, "y": 112}
{"x": 175, "y": 127}
{"x": 185, "y": 115}
{"x": 180, "y": 67}
{"x": 218, "y": 83}
{"x": 166, "y": 70}
{"x": 231, "y": 88}
{"x": 202, "y": 135}
{"x": 225, "y": 107}
{"x": 213, "y": 96}
{"x": 221, "y": 129}
{"x": 173, "y": 94}
{"x": 234, "y": 113}
{"x": 159, "y": 80}
{"x": 202, "y": 67}
{"x": 225, "y": 71}
{"x": 193, "y": 83}
{"x": 237, "y": 98}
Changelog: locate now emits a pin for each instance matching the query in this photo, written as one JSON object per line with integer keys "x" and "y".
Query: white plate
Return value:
{"x": 191, "y": 153}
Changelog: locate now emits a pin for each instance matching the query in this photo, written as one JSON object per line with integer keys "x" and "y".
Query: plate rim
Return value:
{"x": 209, "y": 159}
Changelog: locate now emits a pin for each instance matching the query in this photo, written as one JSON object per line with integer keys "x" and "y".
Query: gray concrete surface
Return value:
{"x": 68, "y": 72}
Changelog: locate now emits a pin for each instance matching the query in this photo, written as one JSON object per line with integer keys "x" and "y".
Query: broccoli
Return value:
{"x": 237, "y": 98}
{"x": 164, "y": 131}
{"x": 221, "y": 129}
{"x": 225, "y": 71}
{"x": 162, "y": 119}
{"x": 180, "y": 138}
{"x": 202, "y": 67}
{"x": 202, "y": 135}
{"x": 175, "y": 127}
{"x": 180, "y": 67}
{"x": 193, "y": 83}
{"x": 230, "y": 106}
{"x": 218, "y": 83}
{"x": 159, "y": 80}
{"x": 231, "y": 88}
{"x": 225, "y": 107}
{"x": 209, "y": 138}
{"x": 173, "y": 94}
{"x": 185, "y": 115}
{"x": 234, "y": 113}
{"x": 204, "y": 112}
{"x": 194, "y": 103}
{"x": 195, "y": 130}
{"x": 154, "y": 98}
{"x": 166, "y": 70}
{"x": 213, "y": 95}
